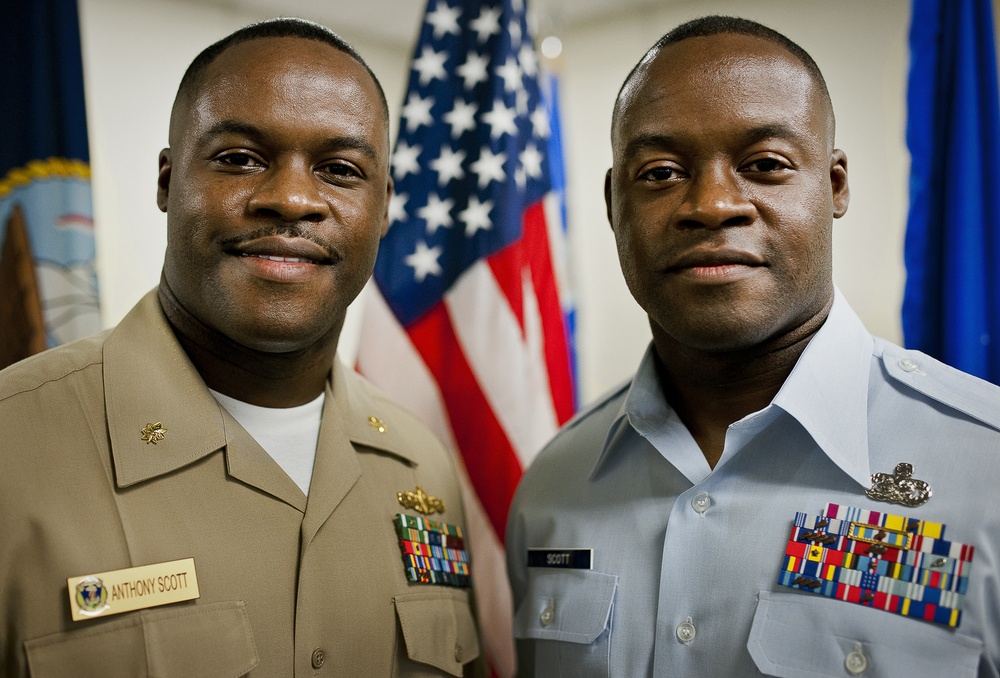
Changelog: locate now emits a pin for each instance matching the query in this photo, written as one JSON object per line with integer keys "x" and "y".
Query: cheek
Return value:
{"x": 193, "y": 212}
{"x": 632, "y": 255}
{"x": 361, "y": 221}
{"x": 214, "y": 193}
{"x": 799, "y": 225}
{"x": 806, "y": 256}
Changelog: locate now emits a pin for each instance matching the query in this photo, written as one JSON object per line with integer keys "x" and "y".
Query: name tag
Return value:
{"x": 134, "y": 588}
{"x": 573, "y": 559}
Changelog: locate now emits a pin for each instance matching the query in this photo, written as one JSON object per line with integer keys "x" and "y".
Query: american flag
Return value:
{"x": 464, "y": 322}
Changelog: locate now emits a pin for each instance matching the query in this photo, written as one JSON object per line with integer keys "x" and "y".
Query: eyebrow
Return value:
{"x": 245, "y": 129}
{"x": 750, "y": 136}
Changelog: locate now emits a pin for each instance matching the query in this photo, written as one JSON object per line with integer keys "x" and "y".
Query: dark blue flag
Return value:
{"x": 48, "y": 284}
{"x": 951, "y": 306}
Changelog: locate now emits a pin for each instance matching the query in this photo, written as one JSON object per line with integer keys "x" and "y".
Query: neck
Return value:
{"x": 255, "y": 377}
{"x": 710, "y": 390}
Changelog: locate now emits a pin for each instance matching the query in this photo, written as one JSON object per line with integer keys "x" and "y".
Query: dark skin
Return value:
{"x": 722, "y": 195}
{"x": 276, "y": 188}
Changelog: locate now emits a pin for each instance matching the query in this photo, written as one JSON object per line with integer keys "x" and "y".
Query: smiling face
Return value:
{"x": 276, "y": 191}
{"x": 723, "y": 191}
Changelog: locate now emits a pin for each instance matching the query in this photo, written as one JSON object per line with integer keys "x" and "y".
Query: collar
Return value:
{"x": 148, "y": 379}
{"x": 370, "y": 418}
{"x": 827, "y": 390}
{"x": 826, "y": 393}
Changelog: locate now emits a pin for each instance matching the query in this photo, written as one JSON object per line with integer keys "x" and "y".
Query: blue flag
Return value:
{"x": 951, "y": 305}
{"x": 557, "y": 176}
{"x": 48, "y": 283}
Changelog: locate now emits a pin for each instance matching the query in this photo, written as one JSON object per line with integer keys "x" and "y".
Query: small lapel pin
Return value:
{"x": 420, "y": 501}
{"x": 899, "y": 487}
{"x": 377, "y": 424}
{"x": 153, "y": 433}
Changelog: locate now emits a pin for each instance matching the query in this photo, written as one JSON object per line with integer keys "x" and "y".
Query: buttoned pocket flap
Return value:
{"x": 799, "y": 635}
{"x": 438, "y": 628}
{"x": 564, "y": 604}
{"x": 193, "y": 641}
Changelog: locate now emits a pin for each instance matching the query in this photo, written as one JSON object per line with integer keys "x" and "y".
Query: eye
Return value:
{"x": 239, "y": 159}
{"x": 661, "y": 173}
{"x": 765, "y": 165}
{"x": 340, "y": 170}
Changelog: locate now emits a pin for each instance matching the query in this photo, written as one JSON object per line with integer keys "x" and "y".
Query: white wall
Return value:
{"x": 135, "y": 53}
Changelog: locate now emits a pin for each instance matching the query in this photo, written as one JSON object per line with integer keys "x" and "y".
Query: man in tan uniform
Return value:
{"x": 145, "y": 530}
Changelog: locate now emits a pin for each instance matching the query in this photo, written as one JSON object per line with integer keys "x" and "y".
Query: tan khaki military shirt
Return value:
{"x": 289, "y": 585}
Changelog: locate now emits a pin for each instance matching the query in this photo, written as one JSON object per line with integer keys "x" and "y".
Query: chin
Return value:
{"x": 278, "y": 337}
{"x": 715, "y": 334}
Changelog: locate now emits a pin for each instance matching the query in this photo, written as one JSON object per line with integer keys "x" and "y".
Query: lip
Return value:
{"x": 719, "y": 265}
{"x": 284, "y": 249}
{"x": 283, "y": 259}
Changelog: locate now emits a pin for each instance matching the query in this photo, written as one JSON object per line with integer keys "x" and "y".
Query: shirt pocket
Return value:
{"x": 438, "y": 631}
{"x": 199, "y": 641}
{"x": 568, "y": 616}
{"x": 801, "y": 635}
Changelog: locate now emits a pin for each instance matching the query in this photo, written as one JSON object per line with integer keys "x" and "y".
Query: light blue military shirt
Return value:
{"x": 686, "y": 558}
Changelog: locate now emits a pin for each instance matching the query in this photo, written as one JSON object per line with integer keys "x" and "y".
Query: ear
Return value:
{"x": 163, "y": 180}
{"x": 607, "y": 197}
{"x": 385, "y": 215}
{"x": 838, "y": 181}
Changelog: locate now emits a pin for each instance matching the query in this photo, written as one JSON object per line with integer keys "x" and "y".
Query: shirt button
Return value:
{"x": 547, "y": 616}
{"x": 686, "y": 631}
{"x": 458, "y": 653}
{"x": 907, "y": 365}
{"x": 318, "y": 658}
{"x": 856, "y": 662}
{"x": 701, "y": 502}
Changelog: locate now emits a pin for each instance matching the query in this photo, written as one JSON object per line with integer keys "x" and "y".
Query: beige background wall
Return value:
{"x": 136, "y": 50}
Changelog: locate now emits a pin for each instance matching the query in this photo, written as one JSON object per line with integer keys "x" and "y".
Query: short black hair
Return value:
{"x": 285, "y": 27}
{"x": 716, "y": 25}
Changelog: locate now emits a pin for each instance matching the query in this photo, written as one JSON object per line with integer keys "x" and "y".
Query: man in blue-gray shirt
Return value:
{"x": 775, "y": 492}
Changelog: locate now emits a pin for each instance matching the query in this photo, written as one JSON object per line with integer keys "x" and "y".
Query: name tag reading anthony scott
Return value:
{"x": 134, "y": 588}
{"x": 572, "y": 559}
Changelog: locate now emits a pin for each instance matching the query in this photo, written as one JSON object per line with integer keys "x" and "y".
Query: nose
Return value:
{"x": 291, "y": 192}
{"x": 715, "y": 198}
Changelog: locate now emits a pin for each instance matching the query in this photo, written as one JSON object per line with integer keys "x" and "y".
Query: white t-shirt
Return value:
{"x": 288, "y": 434}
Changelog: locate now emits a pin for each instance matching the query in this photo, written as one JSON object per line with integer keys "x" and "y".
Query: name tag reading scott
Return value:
{"x": 572, "y": 559}
{"x": 134, "y": 588}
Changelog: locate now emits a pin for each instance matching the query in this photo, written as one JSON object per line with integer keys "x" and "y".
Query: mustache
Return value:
{"x": 287, "y": 231}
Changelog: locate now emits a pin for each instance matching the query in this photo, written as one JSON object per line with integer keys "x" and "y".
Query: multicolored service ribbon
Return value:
{"x": 433, "y": 551}
{"x": 879, "y": 560}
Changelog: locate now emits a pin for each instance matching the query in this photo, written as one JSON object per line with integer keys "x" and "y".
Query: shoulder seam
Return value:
{"x": 38, "y": 385}
{"x": 603, "y": 401}
{"x": 949, "y": 395}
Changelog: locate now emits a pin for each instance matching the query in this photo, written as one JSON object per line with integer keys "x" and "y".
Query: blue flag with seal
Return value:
{"x": 951, "y": 304}
{"x": 48, "y": 282}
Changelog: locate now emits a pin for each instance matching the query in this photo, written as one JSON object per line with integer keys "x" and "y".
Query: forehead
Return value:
{"x": 298, "y": 79}
{"x": 717, "y": 83}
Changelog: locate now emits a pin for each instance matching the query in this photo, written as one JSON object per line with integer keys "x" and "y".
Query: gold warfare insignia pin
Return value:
{"x": 133, "y": 588}
{"x": 153, "y": 433}
{"x": 421, "y": 502}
